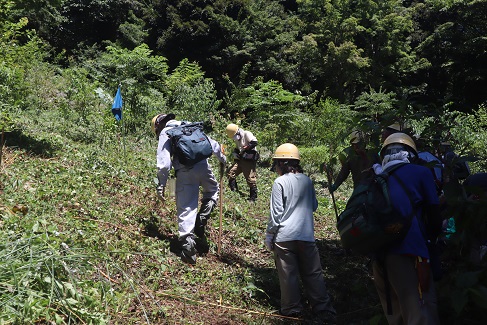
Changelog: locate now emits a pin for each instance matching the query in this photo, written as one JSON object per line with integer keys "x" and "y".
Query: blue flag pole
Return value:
{"x": 117, "y": 112}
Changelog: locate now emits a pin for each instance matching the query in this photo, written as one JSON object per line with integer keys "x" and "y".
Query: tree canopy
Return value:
{"x": 430, "y": 53}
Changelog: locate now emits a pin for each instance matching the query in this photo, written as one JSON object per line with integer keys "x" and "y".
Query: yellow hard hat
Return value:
{"x": 286, "y": 151}
{"x": 232, "y": 129}
{"x": 356, "y": 137}
{"x": 159, "y": 122}
{"x": 402, "y": 138}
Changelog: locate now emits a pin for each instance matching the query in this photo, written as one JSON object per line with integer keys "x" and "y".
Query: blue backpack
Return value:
{"x": 189, "y": 143}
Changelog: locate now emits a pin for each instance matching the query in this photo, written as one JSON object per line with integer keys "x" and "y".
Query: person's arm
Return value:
{"x": 276, "y": 208}
{"x": 217, "y": 151}
{"x": 276, "y": 211}
{"x": 164, "y": 163}
{"x": 250, "y": 146}
{"x": 342, "y": 176}
{"x": 250, "y": 140}
{"x": 315, "y": 200}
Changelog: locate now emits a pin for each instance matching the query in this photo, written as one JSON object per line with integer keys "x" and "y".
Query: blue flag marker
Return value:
{"x": 117, "y": 105}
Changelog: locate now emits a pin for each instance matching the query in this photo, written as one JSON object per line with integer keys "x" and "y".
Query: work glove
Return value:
{"x": 224, "y": 160}
{"x": 332, "y": 188}
{"x": 269, "y": 241}
{"x": 160, "y": 191}
{"x": 236, "y": 154}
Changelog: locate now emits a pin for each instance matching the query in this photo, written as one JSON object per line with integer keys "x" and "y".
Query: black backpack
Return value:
{"x": 370, "y": 223}
{"x": 189, "y": 143}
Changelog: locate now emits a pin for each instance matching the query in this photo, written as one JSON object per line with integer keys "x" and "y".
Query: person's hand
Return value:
{"x": 269, "y": 241}
{"x": 160, "y": 192}
{"x": 332, "y": 188}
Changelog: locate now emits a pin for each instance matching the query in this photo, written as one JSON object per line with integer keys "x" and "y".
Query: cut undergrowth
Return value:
{"x": 86, "y": 240}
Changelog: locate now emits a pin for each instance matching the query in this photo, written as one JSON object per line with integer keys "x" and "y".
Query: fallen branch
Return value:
{"x": 265, "y": 314}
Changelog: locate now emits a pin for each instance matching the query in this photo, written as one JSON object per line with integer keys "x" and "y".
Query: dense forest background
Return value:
{"x": 84, "y": 237}
{"x": 267, "y": 61}
{"x": 426, "y": 53}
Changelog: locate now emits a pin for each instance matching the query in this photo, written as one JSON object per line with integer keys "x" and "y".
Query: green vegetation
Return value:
{"x": 84, "y": 237}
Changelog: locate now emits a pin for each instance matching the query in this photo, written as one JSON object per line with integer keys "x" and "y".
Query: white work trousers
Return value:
{"x": 188, "y": 182}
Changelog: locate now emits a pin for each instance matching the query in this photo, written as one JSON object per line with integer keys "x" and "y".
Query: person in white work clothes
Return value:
{"x": 244, "y": 159}
{"x": 191, "y": 222}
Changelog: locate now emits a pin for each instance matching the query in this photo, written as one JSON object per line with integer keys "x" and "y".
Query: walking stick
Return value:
{"x": 222, "y": 170}
{"x": 330, "y": 181}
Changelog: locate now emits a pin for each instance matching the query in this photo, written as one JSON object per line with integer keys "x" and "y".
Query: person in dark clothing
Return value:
{"x": 355, "y": 160}
{"x": 402, "y": 273}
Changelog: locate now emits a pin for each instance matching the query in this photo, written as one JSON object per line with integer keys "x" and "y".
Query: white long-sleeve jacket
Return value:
{"x": 164, "y": 157}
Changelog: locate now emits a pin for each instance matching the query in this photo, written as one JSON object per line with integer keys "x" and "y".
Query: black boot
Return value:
{"x": 188, "y": 249}
{"x": 253, "y": 194}
{"x": 232, "y": 183}
{"x": 202, "y": 217}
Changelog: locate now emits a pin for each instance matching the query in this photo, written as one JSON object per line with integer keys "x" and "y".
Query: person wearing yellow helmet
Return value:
{"x": 402, "y": 273}
{"x": 290, "y": 236}
{"x": 356, "y": 160}
{"x": 245, "y": 159}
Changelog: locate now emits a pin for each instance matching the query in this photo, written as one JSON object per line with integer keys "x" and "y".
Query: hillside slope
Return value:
{"x": 86, "y": 239}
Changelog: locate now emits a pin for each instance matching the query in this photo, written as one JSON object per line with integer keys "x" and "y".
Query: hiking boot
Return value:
{"x": 199, "y": 228}
{"x": 188, "y": 250}
{"x": 253, "y": 194}
{"x": 202, "y": 217}
{"x": 202, "y": 246}
{"x": 232, "y": 183}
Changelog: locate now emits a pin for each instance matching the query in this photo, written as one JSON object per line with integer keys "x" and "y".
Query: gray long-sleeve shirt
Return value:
{"x": 293, "y": 201}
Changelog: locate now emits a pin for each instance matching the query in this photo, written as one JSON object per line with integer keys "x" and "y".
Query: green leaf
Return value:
{"x": 72, "y": 301}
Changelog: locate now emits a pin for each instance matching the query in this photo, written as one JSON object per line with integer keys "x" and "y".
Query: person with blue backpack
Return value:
{"x": 195, "y": 172}
{"x": 402, "y": 273}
